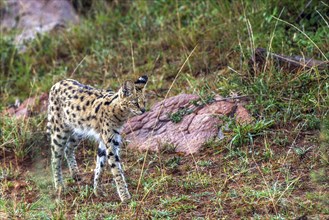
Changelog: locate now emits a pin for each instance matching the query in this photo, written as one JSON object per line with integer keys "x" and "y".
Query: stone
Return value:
{"x": 155, "y": 130}
{"x": 33, "y": 17}
{"x": 31, "y": 106}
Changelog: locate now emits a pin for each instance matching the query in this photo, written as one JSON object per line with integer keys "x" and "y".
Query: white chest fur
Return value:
{"x": 87, "y": 133}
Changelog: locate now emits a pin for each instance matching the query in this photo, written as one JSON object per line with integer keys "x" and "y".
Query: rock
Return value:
{"x": 32, "y": 105}
{"x": 155, "y": 129}
{"x": 34, "y": 17}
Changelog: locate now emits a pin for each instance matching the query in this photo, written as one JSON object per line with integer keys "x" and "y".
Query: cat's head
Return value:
{"x": 132, "y": 94}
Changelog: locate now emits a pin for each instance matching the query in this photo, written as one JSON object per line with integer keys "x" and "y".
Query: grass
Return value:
{"x": 274, "y": 168}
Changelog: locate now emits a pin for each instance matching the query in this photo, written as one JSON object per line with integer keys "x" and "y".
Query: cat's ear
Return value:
{"x": 141, "y": 82}
{"x": 128, "y": 88}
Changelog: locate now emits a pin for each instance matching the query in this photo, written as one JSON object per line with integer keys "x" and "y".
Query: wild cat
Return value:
{"x": 79, "y": 111}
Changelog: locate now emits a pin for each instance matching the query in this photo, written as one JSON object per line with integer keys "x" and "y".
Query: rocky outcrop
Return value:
{"x": 35, "y": 16}
{"x": 184, "y": 121}
{"x": 31, "y": 106}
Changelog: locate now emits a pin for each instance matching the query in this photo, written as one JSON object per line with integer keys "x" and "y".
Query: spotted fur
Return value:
{"x": 79, "y": 111}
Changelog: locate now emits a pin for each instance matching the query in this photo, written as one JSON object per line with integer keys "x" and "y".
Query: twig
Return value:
{"x": 132, "y": 56}
{"x": 77, "y": 66}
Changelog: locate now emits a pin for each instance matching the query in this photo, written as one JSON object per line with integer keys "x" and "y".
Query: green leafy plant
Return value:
{"x": 245, "y": 133}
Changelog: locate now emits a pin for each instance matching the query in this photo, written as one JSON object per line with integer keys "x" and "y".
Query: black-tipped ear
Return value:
{"x": 140, "y": 83}
{"x": 142, "y": 80}
{"x": 128, "y": 88}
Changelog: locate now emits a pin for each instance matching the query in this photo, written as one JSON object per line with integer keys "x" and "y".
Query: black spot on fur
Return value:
{"x": 112, "y": 165}
{"x": 81, "y": 85}
{"x": 75, "y": 83}
{"x": 75, "y": 97}
{"x": 72, "y": 140}
{"x": 116, "y": 117}
{"x": 87, "y": 103}
{"x": 56, "y": 143}
{"x": 78, "y": 108}
{"x": 97, "y": 108}
{"x": 109, "y": 102}
{"x": 111, "y": 154}
{"x": 117, "y": 159}
{"x": 116, "y": 143}
{"x": 101, "y": 152}
{"x": 81, "y": 98}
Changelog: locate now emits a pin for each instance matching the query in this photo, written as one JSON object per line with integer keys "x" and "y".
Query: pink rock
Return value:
{"x": 32, "y": 105}
{"x": 33, "y": 17}
{"x": 154, "y": 129}
{"x": 242, "y": 115}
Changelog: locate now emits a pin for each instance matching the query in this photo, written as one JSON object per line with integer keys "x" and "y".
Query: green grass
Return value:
{"x": 274, "y": 168}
